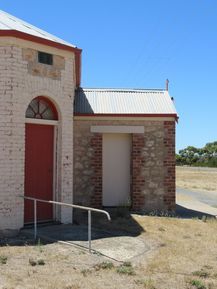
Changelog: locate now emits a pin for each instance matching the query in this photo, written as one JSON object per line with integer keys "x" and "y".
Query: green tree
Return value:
{"x": 192, "y": 156}
{"x": 189, "y": 155}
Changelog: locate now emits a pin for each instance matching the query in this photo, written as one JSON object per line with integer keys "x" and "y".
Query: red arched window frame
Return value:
{"x": 41, "y": 108}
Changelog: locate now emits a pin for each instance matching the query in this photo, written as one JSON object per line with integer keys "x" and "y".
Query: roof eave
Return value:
{"x": 127, "y": 115}
{"x": 40, "y": 40}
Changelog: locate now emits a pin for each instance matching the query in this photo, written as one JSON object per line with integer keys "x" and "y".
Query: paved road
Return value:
{"x": 197, "y": 201}
{"x": 209, "y": 198}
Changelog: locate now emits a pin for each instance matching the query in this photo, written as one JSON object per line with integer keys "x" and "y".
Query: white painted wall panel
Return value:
{"x": 116, "y": 169}
{"x": 117, "y": 129}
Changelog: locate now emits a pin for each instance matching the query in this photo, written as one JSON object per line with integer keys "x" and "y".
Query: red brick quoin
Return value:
{"x": 169, "y": 164}
{"x": 138, "y": 181}
{"x": 96, "y": 163}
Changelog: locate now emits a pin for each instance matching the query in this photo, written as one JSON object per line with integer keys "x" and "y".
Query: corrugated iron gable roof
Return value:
{"x": 9, "y": 22}
{"x": 123, "y": 101}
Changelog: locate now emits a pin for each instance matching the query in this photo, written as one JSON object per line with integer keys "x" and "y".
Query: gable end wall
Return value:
{"x": 18, "y": 86}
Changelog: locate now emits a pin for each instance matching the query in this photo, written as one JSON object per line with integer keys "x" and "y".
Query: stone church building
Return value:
{"x": 61, "y": 142}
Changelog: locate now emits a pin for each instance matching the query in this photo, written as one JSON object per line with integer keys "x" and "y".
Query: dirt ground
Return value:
{"x": 183, "y": 255}
{"x": 203, "y": 179}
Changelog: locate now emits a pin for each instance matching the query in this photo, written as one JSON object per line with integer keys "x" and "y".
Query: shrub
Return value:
{"x": 126, "y": 268}
{"x": 104, "y": 265}
{"x": 3, "y": 259}
{"x": 41, "y": 262}
{"x": 85, "y": 272}
{"x": 197, "y": 284}
{"x": 201, "y": 274}
{"x": 32, "y": 262}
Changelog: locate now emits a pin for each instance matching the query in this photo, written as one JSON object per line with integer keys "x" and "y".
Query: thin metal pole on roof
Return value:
{"x": 167, "y": 84}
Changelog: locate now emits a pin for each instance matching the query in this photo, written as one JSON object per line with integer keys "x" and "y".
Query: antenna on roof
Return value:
{"x": 167, "y": 84}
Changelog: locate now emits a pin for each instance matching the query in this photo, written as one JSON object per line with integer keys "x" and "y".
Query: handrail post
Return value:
{"x": 89, "y": 230}
{"x": 35, "y": 219}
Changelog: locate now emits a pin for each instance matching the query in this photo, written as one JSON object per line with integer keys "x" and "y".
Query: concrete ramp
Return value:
{"x": 117, "y": 246}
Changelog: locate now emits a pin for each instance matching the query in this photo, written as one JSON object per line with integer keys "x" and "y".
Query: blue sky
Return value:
{"x": 138, "y": 44}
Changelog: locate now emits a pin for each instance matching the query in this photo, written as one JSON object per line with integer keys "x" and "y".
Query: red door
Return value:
{"x": 39, "y": 171}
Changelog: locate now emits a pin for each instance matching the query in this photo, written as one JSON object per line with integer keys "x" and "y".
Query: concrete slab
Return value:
{"x": 120, "y": 247}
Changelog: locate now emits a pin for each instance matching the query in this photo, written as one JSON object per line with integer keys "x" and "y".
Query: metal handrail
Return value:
{"x": 89, "y": 209}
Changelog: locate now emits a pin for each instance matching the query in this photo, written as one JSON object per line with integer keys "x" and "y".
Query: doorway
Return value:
{"x": 116, "y": 169}
{"x": 39, "y": 159}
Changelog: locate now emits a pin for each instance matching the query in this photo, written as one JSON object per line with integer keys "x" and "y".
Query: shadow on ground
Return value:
{"x": 182, "y": 212}
{"x": 121, "y": 224}
{"x": 119, "y": 239}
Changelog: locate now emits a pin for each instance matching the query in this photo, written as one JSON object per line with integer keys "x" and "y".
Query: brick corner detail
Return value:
{"x": 96, "y": 162}
{"x": 169, "y": 164}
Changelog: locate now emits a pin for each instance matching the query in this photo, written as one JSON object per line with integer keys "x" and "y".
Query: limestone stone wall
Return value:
{"x": 18, "y": 86}
{"x": 152, "y": 159}
{"x": 38, "y": 69}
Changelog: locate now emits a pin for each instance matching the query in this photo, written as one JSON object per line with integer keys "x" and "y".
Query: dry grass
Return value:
{"x": 186, "y": 246}
{"x": 183, "y": 256}
{"x": 203, "y": 179}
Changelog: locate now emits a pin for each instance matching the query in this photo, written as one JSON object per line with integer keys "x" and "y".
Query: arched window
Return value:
{"x": 41, "y": 108}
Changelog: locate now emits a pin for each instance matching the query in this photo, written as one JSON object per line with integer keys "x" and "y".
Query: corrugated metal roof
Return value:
{"x": 122, "y": 101}
{"x": 9, "y": 22}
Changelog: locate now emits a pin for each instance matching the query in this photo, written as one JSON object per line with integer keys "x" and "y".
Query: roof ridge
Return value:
{"x": 124, "y": 89}
{"x": 28, "y": 28}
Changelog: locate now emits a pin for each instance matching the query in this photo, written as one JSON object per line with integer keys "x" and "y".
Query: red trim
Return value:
{"x": 127, "y": 115}
{"x": 32, "y": 38}
{"x": 50, "y": 103}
